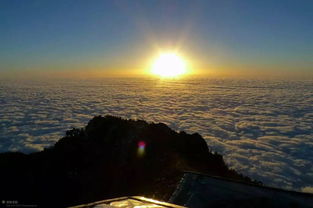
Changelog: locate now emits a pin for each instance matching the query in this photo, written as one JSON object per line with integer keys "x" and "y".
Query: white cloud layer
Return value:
{"x": 263, "y": 128}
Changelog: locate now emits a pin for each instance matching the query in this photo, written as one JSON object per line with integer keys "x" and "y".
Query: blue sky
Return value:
{"x": 123, "y": 35}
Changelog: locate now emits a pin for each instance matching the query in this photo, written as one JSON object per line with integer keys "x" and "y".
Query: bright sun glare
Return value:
{"x": 168, "y": 65}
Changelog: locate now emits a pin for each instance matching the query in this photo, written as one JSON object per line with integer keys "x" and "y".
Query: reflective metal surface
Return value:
{"x": 128, "y": 202}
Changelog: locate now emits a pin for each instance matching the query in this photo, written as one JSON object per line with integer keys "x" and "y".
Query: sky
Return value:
{"x": 122, "y": 37}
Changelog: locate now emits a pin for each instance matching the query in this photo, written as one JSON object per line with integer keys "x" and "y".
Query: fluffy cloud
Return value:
{"x": 264, "y": 129}
{"x": 308, "y": 189}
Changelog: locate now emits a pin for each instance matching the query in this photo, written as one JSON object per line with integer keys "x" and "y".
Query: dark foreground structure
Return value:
{"x": 198, "y": 190}
{"x": 113, "y": 157}
{"x": 201, "y": 191}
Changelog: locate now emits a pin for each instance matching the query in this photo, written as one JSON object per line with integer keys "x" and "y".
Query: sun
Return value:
{"x": 168, "y": 65}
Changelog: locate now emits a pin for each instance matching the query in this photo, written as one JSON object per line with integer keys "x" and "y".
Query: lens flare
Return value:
{"x": 141, "y": 148}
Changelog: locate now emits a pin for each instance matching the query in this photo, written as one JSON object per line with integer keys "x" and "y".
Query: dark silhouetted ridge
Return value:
{"x": 110, "y": 157}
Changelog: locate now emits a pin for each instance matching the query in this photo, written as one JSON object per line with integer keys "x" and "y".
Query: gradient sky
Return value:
{"x": 123, "y": 36}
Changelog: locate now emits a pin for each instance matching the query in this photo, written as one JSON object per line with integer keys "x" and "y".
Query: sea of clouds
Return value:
{"x": 264, "y": 129}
